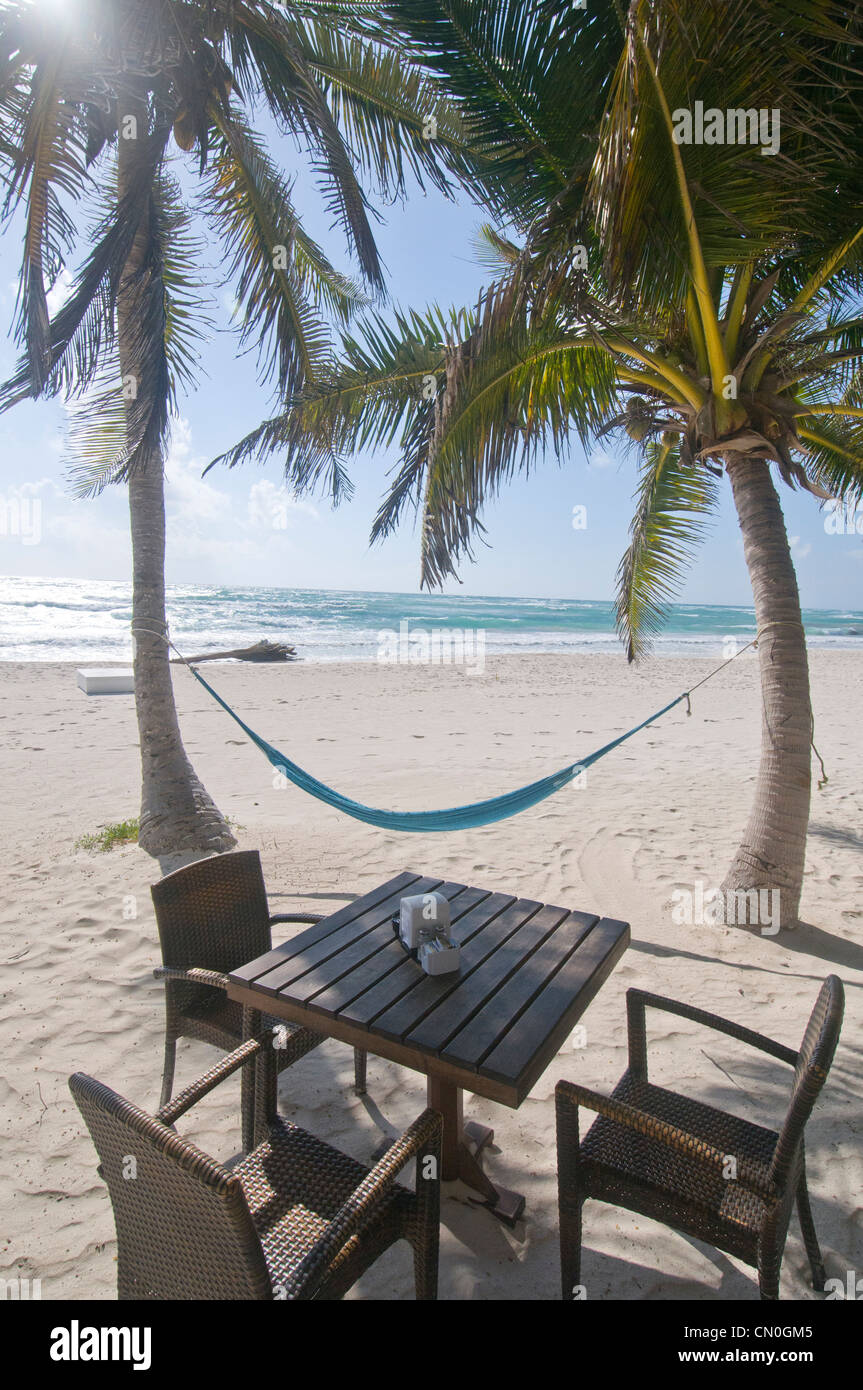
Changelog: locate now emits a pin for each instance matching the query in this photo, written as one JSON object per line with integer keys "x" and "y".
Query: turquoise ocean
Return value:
{"x": 84, "y": 620}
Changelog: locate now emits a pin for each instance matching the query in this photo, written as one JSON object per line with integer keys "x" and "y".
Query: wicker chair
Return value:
{"x": 669, "y": 1157}
{"x": 295, "y": 1219}
{"x": 213, "y": 917}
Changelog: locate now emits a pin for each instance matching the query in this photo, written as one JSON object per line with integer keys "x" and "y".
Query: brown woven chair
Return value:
{"x": 213, "y": 916}
{"x": 295, "y": 1219}
{"x": 668, "y": 1157}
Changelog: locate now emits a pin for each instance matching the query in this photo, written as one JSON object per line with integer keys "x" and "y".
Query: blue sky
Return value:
{"x": 221, "y": 529}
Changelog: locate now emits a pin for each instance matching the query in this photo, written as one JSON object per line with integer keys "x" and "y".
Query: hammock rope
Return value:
{"x": 467, "y": 817}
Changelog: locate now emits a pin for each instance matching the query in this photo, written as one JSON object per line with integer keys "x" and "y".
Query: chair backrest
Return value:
{"x": 183, "y": 1226}
{"x": 212, "y": 914}
{"x": 810, "y": 1073}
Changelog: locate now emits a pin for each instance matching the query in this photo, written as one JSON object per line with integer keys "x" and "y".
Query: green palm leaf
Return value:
{"x": 532, "y": 85}
{"x": 672, "y": 503}
{"x": 268, "y": 53}
{"x": 370, "y": 398}
{"x": 396, "y": 118}
{"x": 279, "y": 271}
{"x": 835, "y": 456}
{"x": 49, "y": 162}
{"x": 118, "y": 426}
{"x": 84, "y": 326}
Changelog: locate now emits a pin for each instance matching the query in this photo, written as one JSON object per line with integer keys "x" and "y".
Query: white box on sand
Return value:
{"x": 107, "y": 680}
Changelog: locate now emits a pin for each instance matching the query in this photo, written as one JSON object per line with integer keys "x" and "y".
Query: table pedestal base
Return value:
{"x": 475, "y": 1135}
{"x": 461, "y": 1144}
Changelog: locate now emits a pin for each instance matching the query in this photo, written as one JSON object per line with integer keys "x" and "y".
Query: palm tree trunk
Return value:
{"x": 176, "y": 812}
{"x": 772, "y": 852}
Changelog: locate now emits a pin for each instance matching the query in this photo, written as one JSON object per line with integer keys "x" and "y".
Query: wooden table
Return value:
{"x": 528, "y": 971}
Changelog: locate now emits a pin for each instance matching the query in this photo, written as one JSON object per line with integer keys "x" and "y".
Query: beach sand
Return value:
{"x": 661, "y": 813}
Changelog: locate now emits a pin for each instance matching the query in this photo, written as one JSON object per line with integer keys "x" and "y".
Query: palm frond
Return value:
{"x": 397, "y": 118}
{"x": 532, "y": 80}
{"x": 672, "y": 503}
{"x": 268, "y": 53}
{"x": 746, "y": 205}
{"x": 122, "y": 423}
{"x": 495, "y": 251}
{"x": 505, "y": 398}
{"x": 279, "y": 271}
{"x": 83, "y": 328}
{"x": 48, "y": 161}
{"x": 369, "y": 398}
{"x": 187, "y": 320}
{"x": 834, "y": 458}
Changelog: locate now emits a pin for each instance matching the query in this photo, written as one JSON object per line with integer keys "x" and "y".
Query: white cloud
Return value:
{"x": 232, "y": 306}
{"x": 214, "y": 535}
{"x": 274, "y": 508}
{"x": 601, "y": 458}
{"x": 799, "y": 549}
{"x": 43, "y": 529}
{"x": 206, "y": 523}
{"x": 189, "y": 498}
{"x": 59, "y": 292}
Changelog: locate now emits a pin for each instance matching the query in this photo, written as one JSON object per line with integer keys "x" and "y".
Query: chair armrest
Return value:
{"x": 194, "y": 976}
{"x": 636, "y": 1003}
{"x": 297, "y": 917}
{"x": 421, "y": 1137}
{"x": 247, "y": 1052}
{"x": 569, "y": 1096}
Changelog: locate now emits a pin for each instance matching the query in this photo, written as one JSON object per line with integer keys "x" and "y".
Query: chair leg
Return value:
{"x": 247, "y": 1108}
{"x": 360, "y": 1059}
{"x": 249, "y": 1098}
{"x": 769, "y": 1261}
{"x": 168, "y": 1069}
{"x": 570, "y": 1249}
{"x": 426, "y": 1258}
{"x": 768, "y": 1285}
{"x": 424, "y": 1232}
{"x": 810, "y": 1239}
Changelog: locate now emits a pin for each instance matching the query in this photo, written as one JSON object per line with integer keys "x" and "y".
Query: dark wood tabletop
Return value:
{"x": 528, "y": 972}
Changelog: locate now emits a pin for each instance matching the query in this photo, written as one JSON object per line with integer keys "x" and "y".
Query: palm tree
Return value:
{"x": 96, "y": 97}
{"x": 702, "y": 299}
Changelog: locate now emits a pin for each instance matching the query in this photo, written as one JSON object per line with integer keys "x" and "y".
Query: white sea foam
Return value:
{"x": 79, "y": 620}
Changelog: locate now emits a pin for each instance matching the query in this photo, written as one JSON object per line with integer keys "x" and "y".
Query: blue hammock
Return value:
{"x": 455, "y": 817}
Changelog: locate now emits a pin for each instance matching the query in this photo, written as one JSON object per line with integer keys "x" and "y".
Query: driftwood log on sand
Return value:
{"x": 261, "y": 651}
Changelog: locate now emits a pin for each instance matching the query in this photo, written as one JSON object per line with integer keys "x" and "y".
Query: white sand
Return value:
{"x": 660, "y": 813}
